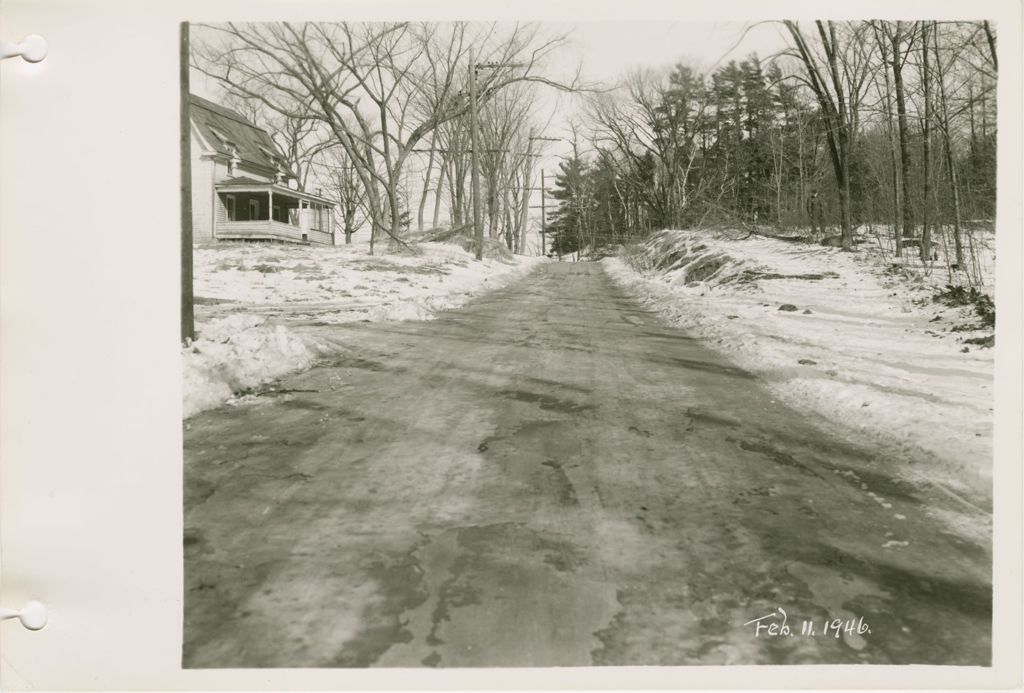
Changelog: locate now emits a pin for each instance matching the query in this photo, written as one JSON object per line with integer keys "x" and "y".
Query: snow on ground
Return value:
{"x": 250, "y": 296}
{"x": 877, "y": 245}
{"x": 237, "y": 353}
{"x": 865, "y": 345}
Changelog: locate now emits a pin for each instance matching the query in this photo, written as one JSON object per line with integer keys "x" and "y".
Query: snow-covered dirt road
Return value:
{"x": 550, "y": 475}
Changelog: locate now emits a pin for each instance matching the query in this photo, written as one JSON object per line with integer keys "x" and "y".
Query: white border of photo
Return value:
{"x": 90, "y": 365}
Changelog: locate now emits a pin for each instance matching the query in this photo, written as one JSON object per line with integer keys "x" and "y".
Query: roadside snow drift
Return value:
{"x": 839, "y": 334}
{"x": 251, "y": 298}
{"x": 238, "y": 353}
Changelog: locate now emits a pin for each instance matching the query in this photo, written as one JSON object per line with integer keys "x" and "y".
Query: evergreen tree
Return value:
{"x": 566, "y": 221}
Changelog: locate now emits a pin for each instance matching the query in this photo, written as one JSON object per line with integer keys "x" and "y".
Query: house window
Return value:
{"x": 254, "y": 210}
{"x": 229, "y": 203}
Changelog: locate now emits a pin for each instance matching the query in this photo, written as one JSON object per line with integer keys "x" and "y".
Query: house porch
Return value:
{"x": 250, "y": 210}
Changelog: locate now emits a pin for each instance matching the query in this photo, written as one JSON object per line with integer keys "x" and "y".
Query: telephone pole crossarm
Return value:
{"x": 494, "y": 66}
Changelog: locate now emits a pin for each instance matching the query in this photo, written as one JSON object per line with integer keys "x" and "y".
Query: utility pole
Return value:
{"x": 526, "y": 187}
{"x": 543, "y": 215}
{"x": 478, "y": 227}
{"x": 579, "y": 228}
{"x": 526, "y": 196}
{"x": 188, "y": 323}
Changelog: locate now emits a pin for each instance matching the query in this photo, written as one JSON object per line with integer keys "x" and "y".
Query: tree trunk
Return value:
{"x": 524, "y": 221}
{"x": 442, "y": 173}
{"x": 891, "y": 134}
{"x": 348, "y": 228}
{"x": 459, "y": 212}
{"x": 834, "y": 112}
{"x": 493, "y": 218}
{"x": 944, "y": 112}
{"x": 801, "y": 184}
{"x": 901, "y": 119}
{"x": 991, "y": 44}
{"x": 456, "y": 192}
{"x": 510, "y": 236}
{"x": 426, "y": 184}
{"x": 926, "y": 235}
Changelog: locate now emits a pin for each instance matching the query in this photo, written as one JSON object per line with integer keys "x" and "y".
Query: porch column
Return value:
{"x": 270, "y": 205}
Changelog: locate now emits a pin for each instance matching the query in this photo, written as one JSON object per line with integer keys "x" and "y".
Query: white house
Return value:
{"x": 240, "y": 186}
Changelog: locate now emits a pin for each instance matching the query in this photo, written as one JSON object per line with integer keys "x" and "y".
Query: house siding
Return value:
{"x": 320, "y": 237}
{"x": 206, "y": 207}
{"x": 203, "y": 171}
{"x": 218, "y": 134}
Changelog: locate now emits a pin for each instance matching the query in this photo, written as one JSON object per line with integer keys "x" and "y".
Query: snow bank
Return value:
{"x": 832, "y": 333}
{"x": 251, "y": 298}
{"x": 344, "y": 283}
{"x": 238, "y": 353}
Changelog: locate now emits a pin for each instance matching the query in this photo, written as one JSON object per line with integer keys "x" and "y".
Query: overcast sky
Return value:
{"x": 609, "y": 50}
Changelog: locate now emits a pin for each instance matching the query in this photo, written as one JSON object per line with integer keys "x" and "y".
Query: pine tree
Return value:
{"x": 566, "y": 222}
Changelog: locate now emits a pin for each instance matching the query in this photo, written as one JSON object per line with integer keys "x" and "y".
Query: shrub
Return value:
{"x": 984, "y": 307}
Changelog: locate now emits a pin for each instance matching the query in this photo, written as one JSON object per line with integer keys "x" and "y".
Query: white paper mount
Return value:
{"x": 32, "y": 49}
{"x": 32, "y": 615}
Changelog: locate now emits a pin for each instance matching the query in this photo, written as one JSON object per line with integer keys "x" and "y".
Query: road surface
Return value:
{"x": 550, "y": 476}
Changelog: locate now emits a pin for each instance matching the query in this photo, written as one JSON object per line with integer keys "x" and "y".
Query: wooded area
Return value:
{"x": 857, "y": 125}
{"x": 857, "y": 128}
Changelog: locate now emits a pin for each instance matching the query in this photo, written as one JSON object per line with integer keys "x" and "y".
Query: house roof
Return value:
{"x": 242, "y": 180}
{"x": 219, "y": 125}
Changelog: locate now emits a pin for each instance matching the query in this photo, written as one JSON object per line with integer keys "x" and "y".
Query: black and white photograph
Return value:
{"x": 363, "y": 345}
{"x": 549, "y": 344}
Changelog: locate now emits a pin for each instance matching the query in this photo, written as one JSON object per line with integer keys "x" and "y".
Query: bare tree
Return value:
{"x": 944, "y": 127}
{"x": 456, "y": 162}
{"x": 926, "y": 123}
{"x": 346, "y": 188}
{"x": 990, "y": 37}
{"x": 504, "y": 127}
{"x": 837, "y": 81}
{"x": 650, "y": 125}
{"x": 884, "y": 89}
{"x": 369, "y": 85}
{"x": 901, "y": 42}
